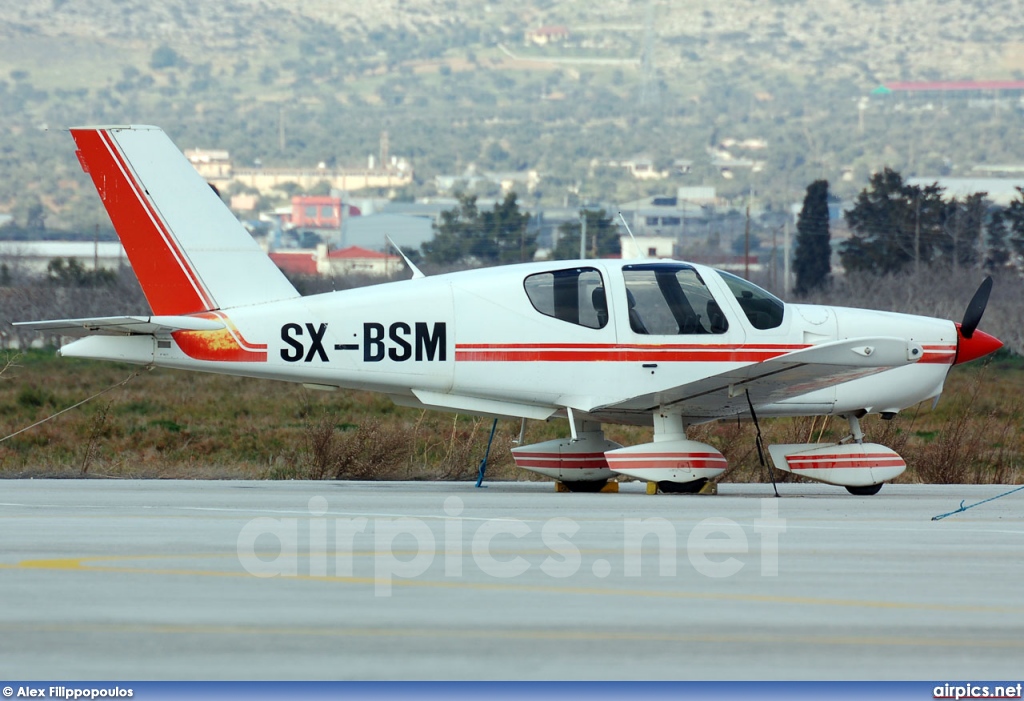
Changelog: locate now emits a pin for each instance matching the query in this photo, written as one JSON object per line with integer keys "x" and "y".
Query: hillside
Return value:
{"x": 455, "y": 84}
{"x": 833, "y": 39}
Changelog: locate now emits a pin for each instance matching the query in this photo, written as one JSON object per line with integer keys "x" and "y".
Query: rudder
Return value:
{"x": 188, "y": 250}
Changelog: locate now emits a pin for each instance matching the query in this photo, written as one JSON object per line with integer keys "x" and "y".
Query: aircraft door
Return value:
{"x": 670, "y": 303}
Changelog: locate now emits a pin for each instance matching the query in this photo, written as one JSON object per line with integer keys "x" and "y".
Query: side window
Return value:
{"x": 576, "y": 295}
{"x": 670, "y": 300}
{"x": 763, "y": 309}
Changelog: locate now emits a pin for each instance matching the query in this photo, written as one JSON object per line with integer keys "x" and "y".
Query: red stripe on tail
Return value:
{"x": 168, "y": 281}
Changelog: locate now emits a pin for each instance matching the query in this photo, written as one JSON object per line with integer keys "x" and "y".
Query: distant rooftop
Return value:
{"x": 360, "y": 253}
{"x": 1000, "y": 191}
{"x": 949, "y": 86}
{"x": 299, "y": 262}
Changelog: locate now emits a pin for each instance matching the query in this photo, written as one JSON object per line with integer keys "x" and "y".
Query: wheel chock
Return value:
{"x": 709, "y": 488}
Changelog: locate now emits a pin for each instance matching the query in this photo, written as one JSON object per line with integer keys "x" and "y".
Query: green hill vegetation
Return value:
{"x": 455, "y": 83}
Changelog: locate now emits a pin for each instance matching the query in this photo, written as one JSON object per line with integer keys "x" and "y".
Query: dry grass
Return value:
{"x": 167, "y": 424}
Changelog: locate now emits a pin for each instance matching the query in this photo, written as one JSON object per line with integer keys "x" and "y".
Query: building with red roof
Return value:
{"x": 354, "y": 259}
{"x": 296, "y": 262}
{"x": 346, "y": 261}
{"x": 950, "y": 86}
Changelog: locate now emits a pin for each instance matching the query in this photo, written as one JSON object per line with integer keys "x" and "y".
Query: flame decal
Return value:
{"x": 225, "y": 345}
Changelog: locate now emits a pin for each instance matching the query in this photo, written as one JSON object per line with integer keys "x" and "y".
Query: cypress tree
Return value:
{"x": 812, "y": 262}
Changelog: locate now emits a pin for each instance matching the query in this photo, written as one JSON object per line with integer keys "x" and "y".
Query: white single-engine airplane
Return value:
{"x": 595, "y": 341}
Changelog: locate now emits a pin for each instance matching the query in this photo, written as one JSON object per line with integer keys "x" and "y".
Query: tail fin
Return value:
{"x": 187, "y": 249}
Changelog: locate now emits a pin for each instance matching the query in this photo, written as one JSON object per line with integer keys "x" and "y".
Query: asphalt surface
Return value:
{"x": 351, "y": 580}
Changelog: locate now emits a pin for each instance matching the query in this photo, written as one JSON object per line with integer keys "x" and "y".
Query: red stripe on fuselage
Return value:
{"x": 607, "y": 352}
{"x": 168, "y": 281}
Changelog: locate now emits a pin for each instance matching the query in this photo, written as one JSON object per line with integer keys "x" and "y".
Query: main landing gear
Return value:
{"x": 860, "y": 467}
{"x": 587, "y": 460}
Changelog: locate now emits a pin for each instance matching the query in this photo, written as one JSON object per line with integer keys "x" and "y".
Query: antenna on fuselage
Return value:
{"x": 639, "y": 253}
{"x": 416, "y": 272}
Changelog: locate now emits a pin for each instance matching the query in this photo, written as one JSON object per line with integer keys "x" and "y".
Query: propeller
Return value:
{"x": 976, "y": 309}
{"x": 972, "y": 344}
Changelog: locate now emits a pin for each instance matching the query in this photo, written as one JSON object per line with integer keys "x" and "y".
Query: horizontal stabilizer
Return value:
{"x": 122, "y": 325}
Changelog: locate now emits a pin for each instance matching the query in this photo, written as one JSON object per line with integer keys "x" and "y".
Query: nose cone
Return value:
{"x": 977, "y": 346}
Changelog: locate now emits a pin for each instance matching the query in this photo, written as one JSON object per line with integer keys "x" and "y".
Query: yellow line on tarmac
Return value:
{"x": 83, "y": 565}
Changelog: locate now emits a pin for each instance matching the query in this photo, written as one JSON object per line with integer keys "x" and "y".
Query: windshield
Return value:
{"x": 763, "y": 309}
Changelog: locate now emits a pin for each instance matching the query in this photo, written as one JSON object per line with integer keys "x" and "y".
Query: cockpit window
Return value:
{"x": 575, "y": 295}
{"x": 670, "y": 299}
{"x": 763, "y": 309}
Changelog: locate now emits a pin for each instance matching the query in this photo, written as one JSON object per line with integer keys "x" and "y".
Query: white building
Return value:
{"x": 32, "y": 257}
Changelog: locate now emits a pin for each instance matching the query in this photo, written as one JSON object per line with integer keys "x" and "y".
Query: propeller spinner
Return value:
{"x": 971, "y": 343}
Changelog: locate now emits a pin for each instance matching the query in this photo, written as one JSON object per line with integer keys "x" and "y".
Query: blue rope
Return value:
{"x": 964, "y": 508}
{"x": 483, "y": 463}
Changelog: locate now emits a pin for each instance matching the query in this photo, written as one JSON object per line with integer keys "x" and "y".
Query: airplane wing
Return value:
{"x": 775, "y": 380}
{"x": 121, "y": 325}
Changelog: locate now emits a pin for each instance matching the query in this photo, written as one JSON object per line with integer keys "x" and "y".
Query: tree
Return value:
{"x": 1015, "y": 222}
{"x": 488, "y": 237}
{"x": 71, "y": 273}
{"x": 997, "y": 253}
{"x": 503, "y": 235}
{"x": 602, "y": 237}
{"x": 35, "y": 217}
{"x": 447, "y": 246}
{"x": 963, "y": 223}
{"x": 165, "y": 57}
{"x": 29, "y": 209}
{"x": 812, "y": 262}
{"x": 894, "y": 225}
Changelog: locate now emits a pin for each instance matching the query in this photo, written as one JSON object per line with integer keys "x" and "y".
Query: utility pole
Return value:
{"x": 956, "y": 237}
{"x": 775, "y": 252}
{"x": 917, "y": 235}
{"x": 583, "y": 234}
{"x": 982, "y": 245}
{"x": 593, "y": 242}
{"x": 746, "y": 246}
{"x": 785, "y": 257}
{"x": 280, "y": 129}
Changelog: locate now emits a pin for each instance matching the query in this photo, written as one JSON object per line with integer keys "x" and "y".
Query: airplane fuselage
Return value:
{"x": 474, "y": 341}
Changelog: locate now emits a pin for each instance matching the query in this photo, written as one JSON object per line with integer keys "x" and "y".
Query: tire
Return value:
{"x": 589, "y": 486}
{"x": 682, "y": 487}
{"x": 867, "y": 491}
